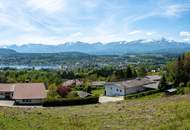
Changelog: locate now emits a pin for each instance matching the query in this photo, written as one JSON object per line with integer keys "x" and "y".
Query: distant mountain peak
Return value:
{"x": 119, "y": 47}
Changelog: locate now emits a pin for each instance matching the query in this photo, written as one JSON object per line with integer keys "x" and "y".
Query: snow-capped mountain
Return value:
{"x": 120, "y": 47}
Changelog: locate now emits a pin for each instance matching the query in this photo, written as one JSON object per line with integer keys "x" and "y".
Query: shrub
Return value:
{"x": 63, "y": 91}
{"x": 88, "y": 89}
{"x": 181, "y": 84}
{"x": 188, "y": 84}
{"x": 70, "y": 101}
{"x": 72, "y": 94}
{"x": 180, "y": 90}
{"x": 186, "y": 90}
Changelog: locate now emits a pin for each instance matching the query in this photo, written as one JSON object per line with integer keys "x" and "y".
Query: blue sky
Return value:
{"x": 59, "y": 21}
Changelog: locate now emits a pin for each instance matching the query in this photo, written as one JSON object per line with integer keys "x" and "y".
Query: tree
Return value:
{"x": 134, "y": 73}
{"x": 52, "y": 91}
{"x": 163, "y": 85}
{"x": 113, "y": 77}
{"x": 63, "y": 91}
{"x": 119, "y": 74}
{"x": 179, "y": 70}
{"x": 129, "y": 73}
{"x": 142, "y": 71}
{"x": 88, "y": 89}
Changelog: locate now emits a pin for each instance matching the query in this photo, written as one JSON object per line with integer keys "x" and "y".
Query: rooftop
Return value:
{"x": 148, "y": 81}
{"x": 6, "y": 87}
{"x": 29, "y": 91}
{"x": 98, "y": 83}
{"x": 25, "y": 90}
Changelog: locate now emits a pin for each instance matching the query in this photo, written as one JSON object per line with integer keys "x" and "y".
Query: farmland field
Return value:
{"x": 151, "y": 112}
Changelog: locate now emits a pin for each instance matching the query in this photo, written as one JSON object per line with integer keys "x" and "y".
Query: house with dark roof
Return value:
{"x": 23, "y": 93}
{"x": 123, "y": 88}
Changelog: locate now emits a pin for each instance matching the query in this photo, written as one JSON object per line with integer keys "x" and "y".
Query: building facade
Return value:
{"x": 124, "y": 88}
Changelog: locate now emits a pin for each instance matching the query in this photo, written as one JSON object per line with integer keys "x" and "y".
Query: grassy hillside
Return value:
{"x": 144, "y": 113}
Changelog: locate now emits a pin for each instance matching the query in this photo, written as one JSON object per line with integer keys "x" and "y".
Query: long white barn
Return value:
{"x": 131, "y": 86}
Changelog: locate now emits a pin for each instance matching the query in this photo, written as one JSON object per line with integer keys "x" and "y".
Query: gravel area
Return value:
{"x": 105, "y": 99}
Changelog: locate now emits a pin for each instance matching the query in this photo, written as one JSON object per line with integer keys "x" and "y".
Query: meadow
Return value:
{"x": 156, "y": 112}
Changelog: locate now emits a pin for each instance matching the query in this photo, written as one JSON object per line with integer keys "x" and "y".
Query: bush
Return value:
{"x": 186, "y": 90}
{"x": 63, "y": 91}
{"x": 70, "y": 101}
{"x": 88, "y": 89}
{"x": 180, "y": 90}
{"x": 72, "y": 94}
{"x": 181, "y": 85}
{"x": 188, "y": 84}
{"x": 141, "y": 94}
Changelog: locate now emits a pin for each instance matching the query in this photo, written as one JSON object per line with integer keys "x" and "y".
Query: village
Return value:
{"x": 34, "y": 94}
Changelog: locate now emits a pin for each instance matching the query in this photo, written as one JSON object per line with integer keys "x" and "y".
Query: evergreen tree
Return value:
{"x": 163, "y": 85}
{"x": 142, "y": 71}
{"x": 129, "y": 72}
{"x": 134, "y": 73}
{"x": 88, "y": 89}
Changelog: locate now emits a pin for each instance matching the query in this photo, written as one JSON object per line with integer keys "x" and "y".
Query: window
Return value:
{"x": 26, "y": 100}
{"x": 111, "y": 88}
{"x": 117, "y": 89}
{"x": 120, "y": 90}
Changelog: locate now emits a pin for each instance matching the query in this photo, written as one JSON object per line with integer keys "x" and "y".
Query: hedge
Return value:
{"x": 70, "y": 101}
{"x": 141, "y": 94}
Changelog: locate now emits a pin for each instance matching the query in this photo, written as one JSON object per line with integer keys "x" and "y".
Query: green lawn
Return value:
{"x": 149, "y": 97}
{"x": 99, "y": 92}
{"x": 150, "y": 112}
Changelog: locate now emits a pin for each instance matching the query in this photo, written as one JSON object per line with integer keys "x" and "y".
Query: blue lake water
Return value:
{"x": 30, "y": 67}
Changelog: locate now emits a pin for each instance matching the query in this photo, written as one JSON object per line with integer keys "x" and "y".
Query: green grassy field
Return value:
{"x": 151, "y": 112}
{"x": 99, "y": 92}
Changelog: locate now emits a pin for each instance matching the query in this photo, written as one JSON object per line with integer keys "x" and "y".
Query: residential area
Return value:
{"x": 35, "y": 93}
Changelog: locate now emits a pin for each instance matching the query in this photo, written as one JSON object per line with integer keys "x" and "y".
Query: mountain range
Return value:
{"x": 121, "y": 47}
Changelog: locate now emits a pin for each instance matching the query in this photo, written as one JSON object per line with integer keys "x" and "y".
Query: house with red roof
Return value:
{"x": 23, "y": 93}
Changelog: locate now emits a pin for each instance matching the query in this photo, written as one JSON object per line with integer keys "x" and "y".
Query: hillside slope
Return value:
{"x": 150, "y": 112}
{"x": 4, "y": 51}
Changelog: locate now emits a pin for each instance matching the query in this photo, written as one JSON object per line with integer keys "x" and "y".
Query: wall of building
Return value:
{"x": 113, "y": 90}
{"x": 2, "y": 95}
{"x": 28, "y": 101}
{"x": 134, "y": 90}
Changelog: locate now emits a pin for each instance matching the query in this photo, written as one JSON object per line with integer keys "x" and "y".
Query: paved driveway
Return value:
{"x": 8, "y": 103}
{"x": 105, "y": 99}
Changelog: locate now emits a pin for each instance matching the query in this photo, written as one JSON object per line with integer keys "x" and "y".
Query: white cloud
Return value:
{"x": 165, "y": 11}
{"x": 48, "y": 6}
{"x": 185, "y": 35}
{"x": 134, "y": 32}
{"x": 149, "y": 33}
{"x": 140, "y": 32}
{"x": 59, "y": 21}
{"x": 175, "y": 10}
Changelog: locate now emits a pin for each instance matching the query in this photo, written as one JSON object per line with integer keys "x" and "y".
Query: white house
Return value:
{"x": 131, "y": 86}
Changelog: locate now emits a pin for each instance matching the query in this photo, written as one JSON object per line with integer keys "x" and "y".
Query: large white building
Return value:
{"x": 131, "y": 86}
